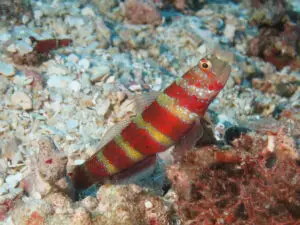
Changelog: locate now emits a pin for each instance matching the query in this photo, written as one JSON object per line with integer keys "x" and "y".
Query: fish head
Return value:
{"x": 217, "y": 71}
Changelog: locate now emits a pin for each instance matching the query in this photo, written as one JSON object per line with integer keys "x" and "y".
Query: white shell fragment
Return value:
{"x": 98, "y": 72}
{"x": 75, "y": 86}
{"x": 84, "y": 64}
{"x": 58, "y": 69}
{"x": 229, "y": 31}
{"x": 12, "y": 48}
{"x": 103, "y": 106}
{"x": 59, "y": 82}
{"x": 23, "y": 47}
{"x": 88, "y": 11}
{"x": 13, "y": 180}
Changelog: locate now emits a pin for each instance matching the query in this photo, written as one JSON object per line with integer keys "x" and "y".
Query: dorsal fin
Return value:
{"x": 141, "y": 101}
{"x": 113, "y": 131}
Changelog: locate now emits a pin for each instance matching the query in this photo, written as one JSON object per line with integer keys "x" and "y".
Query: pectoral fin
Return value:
{"x": 186, "y": 143}
{"x": 189, "y": 140}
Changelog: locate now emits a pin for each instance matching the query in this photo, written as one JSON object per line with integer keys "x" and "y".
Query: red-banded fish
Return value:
{"x": 161, "y": 124}
{"x": 47, "y": 45}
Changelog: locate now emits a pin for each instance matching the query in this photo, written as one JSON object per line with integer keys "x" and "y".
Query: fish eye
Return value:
{"x": 205, "y": 64}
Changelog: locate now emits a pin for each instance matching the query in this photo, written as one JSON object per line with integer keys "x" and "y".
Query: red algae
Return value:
{"x": 243, "y": 185}
{"x": 35, "y": 219}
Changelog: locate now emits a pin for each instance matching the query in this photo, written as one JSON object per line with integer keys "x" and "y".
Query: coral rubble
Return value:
{"x": 15, "y": 10}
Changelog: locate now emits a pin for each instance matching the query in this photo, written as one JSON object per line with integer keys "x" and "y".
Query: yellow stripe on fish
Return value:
{"x": 111, "y": 169}
{"x": 129, "y": 151}
{"x": 153, "y": 132}
{"x": 171, "y": 105}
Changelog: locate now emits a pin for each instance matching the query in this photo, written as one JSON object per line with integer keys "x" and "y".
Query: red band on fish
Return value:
{"x": 96, "y": 167}
{"x": 191, "y": 103}
{"x": 142, "y": 142}
{"x": 164, "y": 121}
{"x": 116, "y": 156}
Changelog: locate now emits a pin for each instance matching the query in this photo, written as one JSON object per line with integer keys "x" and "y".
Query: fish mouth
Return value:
{"x": 220, "y": 69}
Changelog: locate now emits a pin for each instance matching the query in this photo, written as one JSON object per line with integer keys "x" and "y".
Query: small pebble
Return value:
{"x": 98, "y": 72}
{"x": 75, "y": 86}
{"x": 103, "y": 106}
{"x": 7, "y": 69}
{"x": 37, "y": 14}
{"x": 59, "y": 81}
{"x": 148, "y": 204}
{"x": 13, "y": 180}
{"x": 4, "y": 126}
{"x": 87, "y": 11}
{"x": 23, "y": 47}
{"x": 22, "y": 100}
{"x": 5, "y": 37}
{"x": 74, "y": 21}
{"x": 58, "y": 69}
{"x": 12, "y": 48}
{"x": 25, "y": 19}
{"x": 78, "y": 162}
{"x": 72, "y": 124}
{"x": 135, "y": 87}
{"x": 110, "y": 80}
{"x": 84, "y": 64}
{"x": 4, "y": 84}
{"x": 202, "y": 49}
{"x": 90, "y": 202}
{"x": 73, "y": 58}
{"x": 229, "y": 32}
{"x": 4, "y": 188}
